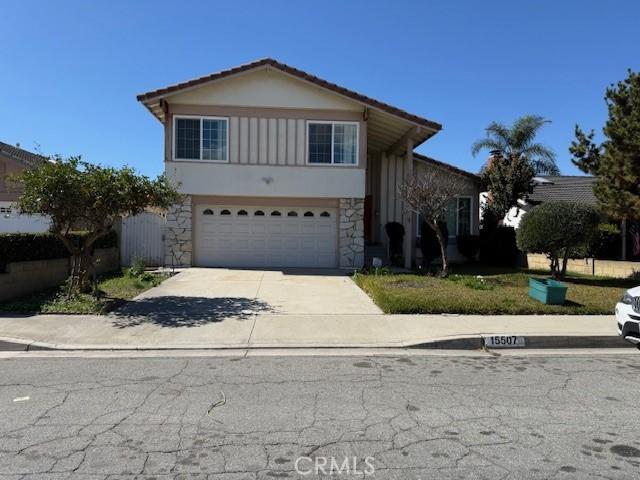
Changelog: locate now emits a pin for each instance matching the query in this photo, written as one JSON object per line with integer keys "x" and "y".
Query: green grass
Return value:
{"x": 497, "y": 291}
{"x": 114, "y": 289}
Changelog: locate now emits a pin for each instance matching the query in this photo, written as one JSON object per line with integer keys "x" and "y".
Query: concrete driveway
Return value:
{"x": 198, "y": 296}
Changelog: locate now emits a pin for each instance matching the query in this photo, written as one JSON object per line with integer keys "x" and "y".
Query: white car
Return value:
{"x": 628, "y": 316}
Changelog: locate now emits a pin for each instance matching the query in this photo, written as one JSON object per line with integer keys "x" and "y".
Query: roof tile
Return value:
{"x": 25, "y": 157}
{"x": 564, "y": 189}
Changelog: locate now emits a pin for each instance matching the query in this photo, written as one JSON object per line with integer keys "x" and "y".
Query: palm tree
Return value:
{"x": 518, "y": 141}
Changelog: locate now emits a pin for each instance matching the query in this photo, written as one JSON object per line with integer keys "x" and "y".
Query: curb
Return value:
{"x": 462, "y": 342}
{"x": 532, "y": 342}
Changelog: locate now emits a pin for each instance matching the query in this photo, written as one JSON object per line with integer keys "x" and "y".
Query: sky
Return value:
{"x": 71, "y": 70}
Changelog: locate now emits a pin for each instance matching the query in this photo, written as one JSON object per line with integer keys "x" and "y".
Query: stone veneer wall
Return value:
{"x": 351, "y": 242}
{"x": 178, "y": 243}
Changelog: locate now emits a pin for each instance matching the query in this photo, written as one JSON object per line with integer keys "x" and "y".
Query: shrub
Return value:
{"x": 146, "y": 277}
{"x": 560, "y": 230}
{"x": 136, "y": 269}
{"x": 468, "y": 245}
{"x": 498, "y": 246}
{"x": 607, "y": 242}
{"x": 395, "y": 233}
{"x": 476, "y": 283}
{"x": 24, "y": 247}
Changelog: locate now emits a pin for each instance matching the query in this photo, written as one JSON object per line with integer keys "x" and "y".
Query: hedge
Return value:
{"x": 498, "y": 246}
{"x": 24, "y": 247}
{"x": 468, "y": 245}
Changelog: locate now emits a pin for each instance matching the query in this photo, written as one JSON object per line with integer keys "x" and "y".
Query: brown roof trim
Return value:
{"x": 446, "y": 166}
{"x": 296, "y": 73}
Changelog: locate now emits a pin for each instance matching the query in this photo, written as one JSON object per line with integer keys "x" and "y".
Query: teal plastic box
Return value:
{"x": 547, "y": 291}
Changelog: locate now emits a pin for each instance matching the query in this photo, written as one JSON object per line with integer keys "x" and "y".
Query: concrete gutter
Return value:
{"x": 262, "y": 331}
{"x": 462, "y": 342}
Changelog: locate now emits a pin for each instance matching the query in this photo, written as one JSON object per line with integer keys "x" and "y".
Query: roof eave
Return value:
{"x": 446, "y": 166}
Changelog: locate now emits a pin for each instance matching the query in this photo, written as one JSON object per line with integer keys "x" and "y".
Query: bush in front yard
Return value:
{"x": 607, "y": 243}
{"x": 498, "y": 246}
{"x": 24, "y": 247}
{"x": 560, "y": 230}
{"x": 468, "y": 245}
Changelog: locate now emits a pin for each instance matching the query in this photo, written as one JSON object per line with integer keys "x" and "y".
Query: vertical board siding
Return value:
{"x": 244, "y": 139}
{"x": 253, "y": 141}
{"x": 301, "y": 128}
{"x": 391, "y": 175}
{"x": 398, "y": 180}
{"x": 384, "y": 184}
{"x": 273, "y": 139}
{"x": 378, "y": 233}
{"x": 269, "y": 141}
{"x": 234, "y": 144}
{"x": 282, "y": 141}
{"x": 291, "y": 142}
{"x": 263, "y": 134}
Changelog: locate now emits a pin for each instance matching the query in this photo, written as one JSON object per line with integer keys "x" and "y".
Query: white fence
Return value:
{"x": 11, "y": 222}
{"x": 142, "y": 237}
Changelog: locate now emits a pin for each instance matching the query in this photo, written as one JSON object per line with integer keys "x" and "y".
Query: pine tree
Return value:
{"x": 616, "y": 162}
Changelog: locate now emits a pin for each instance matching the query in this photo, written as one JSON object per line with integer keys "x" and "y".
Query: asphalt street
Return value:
{"x": 407, "y": 417}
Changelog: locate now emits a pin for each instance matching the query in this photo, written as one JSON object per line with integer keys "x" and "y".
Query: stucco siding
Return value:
{"x": 197, "y": 178}
{"x": 264, "y": 88}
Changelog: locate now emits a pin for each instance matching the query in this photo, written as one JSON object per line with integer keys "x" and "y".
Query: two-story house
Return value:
{"x": 283, "y": 169}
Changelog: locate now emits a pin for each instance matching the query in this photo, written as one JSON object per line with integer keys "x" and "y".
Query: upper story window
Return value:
{"x": 200, "y": 138}
{"x": 332, "y": 143}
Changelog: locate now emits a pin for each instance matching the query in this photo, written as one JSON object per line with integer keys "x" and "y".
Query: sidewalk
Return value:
{"x": 92, "y": 332}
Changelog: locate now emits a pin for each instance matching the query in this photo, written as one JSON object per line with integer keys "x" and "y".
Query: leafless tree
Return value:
{"x": 427, "y": 194}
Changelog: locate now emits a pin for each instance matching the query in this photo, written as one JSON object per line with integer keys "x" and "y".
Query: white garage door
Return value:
{"x": 228, "y": 236}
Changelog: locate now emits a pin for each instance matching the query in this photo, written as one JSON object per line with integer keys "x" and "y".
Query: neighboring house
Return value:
{"x": 283, "y": 169}
{"x": 552, "y": 188}
{"x": 14, "y": 160}
{"x": 565, "y": 188}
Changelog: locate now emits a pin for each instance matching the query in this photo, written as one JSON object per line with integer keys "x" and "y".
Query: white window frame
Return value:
{"x": 333, "y": 164}
{"x": 201, "y": 118}
{"x": 470, "y": 215}
{"x": 418, "y": 222}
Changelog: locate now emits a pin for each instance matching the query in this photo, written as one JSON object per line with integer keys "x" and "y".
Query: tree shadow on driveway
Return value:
{"x": 175, "y": 311}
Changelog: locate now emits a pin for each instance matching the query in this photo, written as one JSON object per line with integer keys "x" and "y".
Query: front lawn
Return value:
{"x": 115, "y": 289}
{"x": 496, "y": 292}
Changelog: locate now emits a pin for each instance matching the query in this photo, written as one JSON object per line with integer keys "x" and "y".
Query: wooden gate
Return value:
{"x": 142, "y": 237}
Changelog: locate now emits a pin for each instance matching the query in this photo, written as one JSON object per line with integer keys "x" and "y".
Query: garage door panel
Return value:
{"x": 308, "y": 228}
{"x": 223, "y": 227}
{"x": 265, "y": 241}
{"x": 292, "y": 244}
{"x": 257, "y": 228}
{"x": 291, "y": 227}
{"x": 325, "y": 229}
